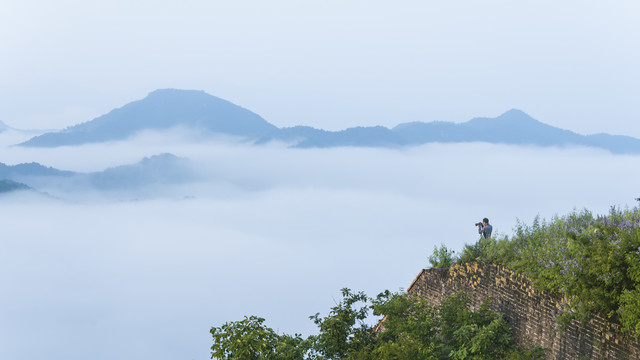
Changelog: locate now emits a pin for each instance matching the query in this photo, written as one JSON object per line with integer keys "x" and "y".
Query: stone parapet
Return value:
{"x": 532, "y": 313}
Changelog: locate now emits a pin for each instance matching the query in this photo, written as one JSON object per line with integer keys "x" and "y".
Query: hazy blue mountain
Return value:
{"x": 163, "y": 109}
{"x": 34, "y": 174}
{"x": 158, "y": 169}
{"x": 513, "y": 127}
{"x": 617, "y": 144}
{"x": 7, "y": 186}
{"x": 33, "y": 169}
{"x": 295, "y": 134}
{"x": 26, "y": 192}
{"x": 374, "y": 136}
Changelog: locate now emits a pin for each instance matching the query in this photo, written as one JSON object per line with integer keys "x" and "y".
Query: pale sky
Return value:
{"x": 329, "y": 64}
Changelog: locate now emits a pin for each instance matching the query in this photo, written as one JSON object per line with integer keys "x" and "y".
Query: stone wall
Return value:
{"x": 531, "y": 312}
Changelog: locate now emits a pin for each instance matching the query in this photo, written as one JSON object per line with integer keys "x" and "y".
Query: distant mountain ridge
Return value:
{"x": 514, "y": 128}
{"x": 29, "y": 170}
{"x": 8, "y": 186}
{"x": 162, "y": 109}
{"x": 157, "y": 169}
{"x": 209, "y": 115}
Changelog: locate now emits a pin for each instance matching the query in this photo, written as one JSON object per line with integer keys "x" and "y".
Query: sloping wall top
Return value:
{"x": 532, "y": 313}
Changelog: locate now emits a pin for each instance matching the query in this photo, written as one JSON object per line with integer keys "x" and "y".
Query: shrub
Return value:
{"x": 412, "y": 329}
{"x": 592, "y": 261}
{"x": 442, "y": 257}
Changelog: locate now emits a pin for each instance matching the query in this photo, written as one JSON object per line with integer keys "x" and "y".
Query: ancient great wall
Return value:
{"x": 531, "y": 312}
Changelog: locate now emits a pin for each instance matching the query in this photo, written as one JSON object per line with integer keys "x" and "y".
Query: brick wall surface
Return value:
{"x": 531, "y": 312}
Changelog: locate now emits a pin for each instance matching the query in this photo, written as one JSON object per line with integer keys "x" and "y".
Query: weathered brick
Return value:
{"x": 531, "y": 312}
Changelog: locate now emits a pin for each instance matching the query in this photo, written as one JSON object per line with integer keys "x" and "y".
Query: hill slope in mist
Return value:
{"x": 3, "y": 127}
{"x": 162, "y": 169}
{"x": 7, "y": 186}
{"x": 209, "y": 115}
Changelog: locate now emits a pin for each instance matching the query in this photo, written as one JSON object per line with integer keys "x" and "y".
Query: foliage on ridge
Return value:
{"x": 593, "y": 261}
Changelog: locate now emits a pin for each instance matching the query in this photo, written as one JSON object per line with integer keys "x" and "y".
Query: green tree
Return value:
{"x": 630, "y": 298}
{"x": 411, "y": 329}
{"x": 343, "y": 334}
{"x": 442, "y": 257}
{"x": 250, "y": 339}
{"x": 467, "y": 334}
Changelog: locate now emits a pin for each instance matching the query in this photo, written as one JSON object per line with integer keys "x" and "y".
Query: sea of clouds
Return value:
{"x": 264, "y": 230}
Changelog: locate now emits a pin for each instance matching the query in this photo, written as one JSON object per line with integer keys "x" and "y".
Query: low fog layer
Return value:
{"x": 265, "y": 230}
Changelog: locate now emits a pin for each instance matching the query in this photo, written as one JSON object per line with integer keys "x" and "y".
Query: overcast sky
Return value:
{"x": 329, "y": 64}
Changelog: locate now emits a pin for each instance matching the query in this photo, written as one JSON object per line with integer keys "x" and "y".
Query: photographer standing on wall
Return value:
{"x": 484, "y": 229}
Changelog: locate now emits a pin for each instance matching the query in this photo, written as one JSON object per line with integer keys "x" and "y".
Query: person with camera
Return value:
{"x": 484, "y": 229}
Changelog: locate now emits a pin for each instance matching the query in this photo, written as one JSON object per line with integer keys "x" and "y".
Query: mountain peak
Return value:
{"x": 516, "y": 114}
{"x": 161, "y": 110}
{"x": 175, "y": 91}
{"x": 512, "y": 118}
{"x": 178, "y": 93}
{"x": 168, "y": 109}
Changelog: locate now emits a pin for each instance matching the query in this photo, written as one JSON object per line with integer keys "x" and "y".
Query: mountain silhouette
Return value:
{"x": 20, "y": 172}
{"x": 513, "y": 127}
{"x": 160, "y": 110}
{"x": 7, "y": 186}
{"x": 157, "y": 169}
{"x": 207, "y": 114}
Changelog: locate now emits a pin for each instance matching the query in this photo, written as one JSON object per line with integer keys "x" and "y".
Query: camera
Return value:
{"x": 479, "y": 224}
